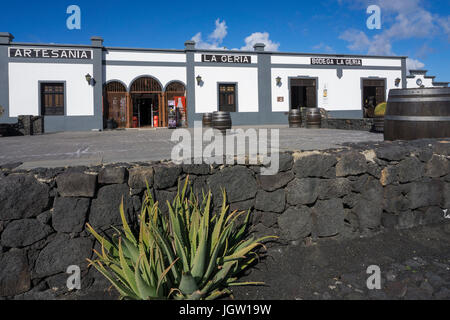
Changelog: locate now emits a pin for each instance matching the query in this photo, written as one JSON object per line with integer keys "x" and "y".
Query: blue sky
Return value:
{"x": 419, "y": 29}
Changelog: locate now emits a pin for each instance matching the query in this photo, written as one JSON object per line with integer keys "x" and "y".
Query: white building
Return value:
{"x": 132, "y": 86}
{"x": 419, "y": 79}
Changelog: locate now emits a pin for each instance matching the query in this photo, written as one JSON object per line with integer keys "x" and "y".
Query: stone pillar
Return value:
{"x": 97, "y": 44}
{"x": 190, "y": 81}
{"x": 264, "y": 84}
{"x": 5, "y": 39}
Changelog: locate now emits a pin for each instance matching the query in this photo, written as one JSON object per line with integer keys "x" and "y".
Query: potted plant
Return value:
{"x": 379, "y": 113}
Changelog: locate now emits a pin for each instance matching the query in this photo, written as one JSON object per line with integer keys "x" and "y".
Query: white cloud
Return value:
{"x": 413, "y": 64}
{"x": 260, "y": 37}
{"x": 322, "y": 46}
{"x": 401, "y": 19}
{"x": 215, "y": 39}
{"x": 220, "y": 32}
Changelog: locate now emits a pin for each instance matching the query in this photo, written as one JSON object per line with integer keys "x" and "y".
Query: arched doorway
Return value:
{"x": 175, "y": 94}
{"x": 147, "y": 102}
{"x": 115, "y": 103}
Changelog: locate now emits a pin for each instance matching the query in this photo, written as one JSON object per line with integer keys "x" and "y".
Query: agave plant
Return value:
{"x": 191, "y": 253}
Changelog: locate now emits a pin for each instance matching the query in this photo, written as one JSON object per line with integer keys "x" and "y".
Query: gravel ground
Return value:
{"x": 414, "y": 264}
{"x": 94, "y": 148}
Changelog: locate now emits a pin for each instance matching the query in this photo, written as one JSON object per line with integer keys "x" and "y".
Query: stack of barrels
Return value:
{"x": 313, "y": 118}
{"x": 422, "y": 113}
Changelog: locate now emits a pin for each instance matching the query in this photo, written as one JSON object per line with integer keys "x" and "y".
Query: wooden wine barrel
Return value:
{"x": 207, "y": 120}
{"x": 417, "y": 114}
{"x": 378, "y": 124}
{"x": 221, "y": 120}
{"x": 295, "y": 118}
{"x": 313, "y": 118}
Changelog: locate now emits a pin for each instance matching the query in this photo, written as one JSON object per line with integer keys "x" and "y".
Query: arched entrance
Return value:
{"x": 175, "y": 94}
{"x": 115, "y": 103}
{"x": 147, "y": 103}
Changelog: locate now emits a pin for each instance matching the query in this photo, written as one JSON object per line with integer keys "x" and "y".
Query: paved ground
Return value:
{"x": 414, "y": 264}
{"x": 93, "y": 148}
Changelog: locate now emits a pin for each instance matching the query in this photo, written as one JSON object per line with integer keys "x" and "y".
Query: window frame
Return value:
{"x": 41, "y": 97}
{"x": 236, "y": 97}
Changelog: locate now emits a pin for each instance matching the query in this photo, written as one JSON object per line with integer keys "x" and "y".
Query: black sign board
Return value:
{"x": 37, "y": 53}
{"x": 336, "y": 61}
{"x": 220, "y": 58}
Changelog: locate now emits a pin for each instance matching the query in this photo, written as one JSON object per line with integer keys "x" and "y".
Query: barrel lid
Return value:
{"x": 419, "y": 91}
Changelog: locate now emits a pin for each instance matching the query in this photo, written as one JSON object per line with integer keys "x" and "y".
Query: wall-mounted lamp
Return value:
{"x": 90, "y": 80}
{"x": 397, "y": 82}
{"x": 199, "y": 80}
{"x": 278, "y": 79}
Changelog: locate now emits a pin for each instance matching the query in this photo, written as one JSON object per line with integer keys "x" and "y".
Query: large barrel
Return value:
{"x": 207, "y": 120}
{"x": 313, "y": 118}
{"x": 221, "y": 120}
{"x": 295, "y": 118}
{"x": 417, "y": 114}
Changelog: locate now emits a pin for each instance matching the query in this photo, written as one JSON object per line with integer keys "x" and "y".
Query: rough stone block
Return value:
{"x": 22, "y": 233}
{"x": 13, "y": 203}
{"x": 437, "y": 167}
{"x": 285, "y": 162}
{"x": 61, "y": 253}
{"x": 166, "y": 176}
{"x": 334, "y": 188}
{"x": 410, "y": 169}
{"x": 351, "y": 164}
{"x": 112, "y": 175}
{"x": 70, "y": 214}
{"x": 197, "y": 169}
{"x": 295, "y": 223}
{"x": 76, "y": 184}
{"x": 303, "y": 191}
{"x": 140, "y": 176}
{"x": 15, "y": 275}
{"x": 275, "y": 182}
{"x": 329, "y": 217}
{"x": 271, "y": 201}
{"x": 238, "y": 182}
{"x": 314, "y": 165}
{"x": 105, "y": 208}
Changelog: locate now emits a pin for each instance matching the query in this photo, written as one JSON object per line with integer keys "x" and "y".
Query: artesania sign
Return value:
{"x": 219, "y": 58}
{"x": 337, "y": 61}
{"x": 50, "y": 53}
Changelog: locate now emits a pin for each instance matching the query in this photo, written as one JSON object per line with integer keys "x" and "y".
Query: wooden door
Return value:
{"x": 311, "y": 99}
{"x": 117, "y": 108}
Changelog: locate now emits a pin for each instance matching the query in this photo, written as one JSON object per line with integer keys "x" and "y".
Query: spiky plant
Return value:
{"x": 191, "y": 253}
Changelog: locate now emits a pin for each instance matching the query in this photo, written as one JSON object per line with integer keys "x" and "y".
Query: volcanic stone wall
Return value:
{"x": 358, "y": 190}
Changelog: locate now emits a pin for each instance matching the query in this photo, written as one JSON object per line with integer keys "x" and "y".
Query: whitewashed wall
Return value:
{"x": 127, "y": 74}
{"x": 123, "y": 55}
{"x": 412, "y": 82}
{"x": 343, "y": 94}
{"x": 24, "y": 93}
{"x": 206, "y": 96}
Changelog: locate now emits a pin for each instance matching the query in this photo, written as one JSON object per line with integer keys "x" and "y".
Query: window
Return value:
{"x": 52, "y": 99}
{"x": 227, "y": 97}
